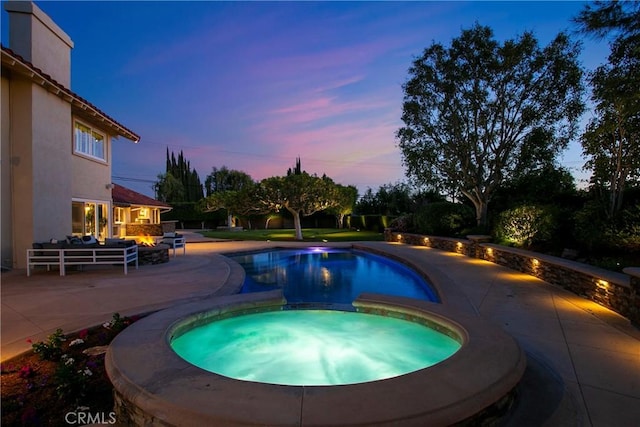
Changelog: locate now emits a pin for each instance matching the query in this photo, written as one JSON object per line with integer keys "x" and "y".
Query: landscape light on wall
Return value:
{"x": 535, "y": 264}
{"x": 489, "y": 254}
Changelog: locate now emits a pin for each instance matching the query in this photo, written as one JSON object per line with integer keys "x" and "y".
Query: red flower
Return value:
{"x": 29, "y": 341}
{"x": 83, "y": 334}
{"x": 26, "y": 371}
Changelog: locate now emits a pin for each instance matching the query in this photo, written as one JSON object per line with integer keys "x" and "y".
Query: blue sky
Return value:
{"x": 253, "y": 85}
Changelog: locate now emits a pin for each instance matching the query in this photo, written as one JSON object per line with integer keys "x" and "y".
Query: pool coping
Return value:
{"x": 153, "y": 385}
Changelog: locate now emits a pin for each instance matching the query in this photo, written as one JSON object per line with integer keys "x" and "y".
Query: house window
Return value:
{"x": 119, "y": 216}
{"x": 89, "y": 142}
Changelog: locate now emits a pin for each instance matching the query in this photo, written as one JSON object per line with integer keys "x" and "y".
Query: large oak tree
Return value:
{"x": 478, "y": 111}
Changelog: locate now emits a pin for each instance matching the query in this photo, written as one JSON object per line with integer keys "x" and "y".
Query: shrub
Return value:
{"x": 403, "y": 223}
{"x": 590, "y": 225}
{"x": 372, "y": 222}
{"x": 71, "y": 378}
{"x": 628, "y": 234}
{"x": 52, "y": 348}
{"x": 598, "y": 233}
{"x": 444, "y": 219}
{"x": 524, "y": 225}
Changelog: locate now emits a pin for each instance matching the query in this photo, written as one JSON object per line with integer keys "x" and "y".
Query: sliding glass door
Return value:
{"x": 90, "y": 218}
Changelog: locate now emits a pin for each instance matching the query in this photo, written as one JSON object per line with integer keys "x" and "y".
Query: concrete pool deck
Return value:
{"x": 587, "y": 357}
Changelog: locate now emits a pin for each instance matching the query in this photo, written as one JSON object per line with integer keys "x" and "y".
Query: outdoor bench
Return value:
{"x": 175, "y": 241}
{"x": 64, "y": 254}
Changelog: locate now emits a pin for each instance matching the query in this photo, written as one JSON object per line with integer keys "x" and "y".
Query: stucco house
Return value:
{"x": 56, "y": 146}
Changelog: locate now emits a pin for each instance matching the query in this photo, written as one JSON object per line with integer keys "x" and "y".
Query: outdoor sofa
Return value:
{"x": 79, "y": 252}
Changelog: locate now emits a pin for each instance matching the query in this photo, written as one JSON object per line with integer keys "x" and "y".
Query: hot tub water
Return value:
{"x": 313, "y": 347}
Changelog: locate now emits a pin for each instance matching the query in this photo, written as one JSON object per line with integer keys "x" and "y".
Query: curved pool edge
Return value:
{"x": 153, "y": 385}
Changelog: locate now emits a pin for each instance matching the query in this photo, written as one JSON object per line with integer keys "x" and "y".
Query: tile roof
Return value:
{"x": 81, "y": 106}
{"x": 123, "y": 196}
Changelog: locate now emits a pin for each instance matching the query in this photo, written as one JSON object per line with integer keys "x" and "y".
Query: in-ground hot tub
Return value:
{"x": 153, "y": 385}
{"x": 313, "y": 347}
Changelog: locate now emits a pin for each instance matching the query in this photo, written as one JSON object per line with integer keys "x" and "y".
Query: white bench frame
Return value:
{"x": 176, "y": 243}
{"x": 62, "y": 257}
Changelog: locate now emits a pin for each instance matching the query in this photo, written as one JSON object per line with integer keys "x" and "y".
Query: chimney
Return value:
{"x": 39, "y": 40}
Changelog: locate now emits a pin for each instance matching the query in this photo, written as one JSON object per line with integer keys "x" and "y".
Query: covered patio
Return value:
{"x": 135, "y": 214}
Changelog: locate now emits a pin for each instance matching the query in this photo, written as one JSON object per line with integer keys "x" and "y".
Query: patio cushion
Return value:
{"x": 48, "y": 245}
{"x": 118, "y": 243}
{"x": 112, "y": 241}
{"x": 89, "y": 240}
{"x": 74, "y": 240}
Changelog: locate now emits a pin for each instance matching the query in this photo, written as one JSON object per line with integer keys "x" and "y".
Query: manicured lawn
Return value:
{"x": 309, "y": 235}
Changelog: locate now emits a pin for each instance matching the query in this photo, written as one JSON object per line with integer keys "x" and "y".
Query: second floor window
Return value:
{"x": 89, "y": 142}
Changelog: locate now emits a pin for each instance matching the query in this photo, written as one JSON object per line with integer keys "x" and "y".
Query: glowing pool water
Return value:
{"x": 313, "y": 347}
{"x": 330, "y": 275}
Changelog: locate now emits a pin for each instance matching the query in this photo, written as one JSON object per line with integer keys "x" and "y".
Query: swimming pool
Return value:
{"x": 329, "y": 275}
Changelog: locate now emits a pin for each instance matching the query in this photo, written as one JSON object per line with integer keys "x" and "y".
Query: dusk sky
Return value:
{"x": 253, "y": 85}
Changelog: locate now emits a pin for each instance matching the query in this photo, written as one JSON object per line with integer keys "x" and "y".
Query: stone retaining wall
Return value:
{"x": 617, "y": 291}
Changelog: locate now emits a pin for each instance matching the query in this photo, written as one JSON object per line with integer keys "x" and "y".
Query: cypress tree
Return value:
{"x": 180, "y": 169}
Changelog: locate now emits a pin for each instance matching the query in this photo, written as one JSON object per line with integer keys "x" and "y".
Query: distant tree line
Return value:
{"x": 298, "y": 193}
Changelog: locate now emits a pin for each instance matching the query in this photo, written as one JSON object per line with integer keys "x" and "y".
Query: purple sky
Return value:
{"x": 253, "y": 85}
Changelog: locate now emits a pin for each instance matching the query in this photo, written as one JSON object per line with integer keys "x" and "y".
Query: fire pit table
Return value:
{"x": 156, "y": 254}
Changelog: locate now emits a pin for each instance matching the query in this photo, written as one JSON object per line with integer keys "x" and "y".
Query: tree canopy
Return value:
{"x": 345, "y": 201}
{"x": 232, "y": 190}
{"x": 611, "y": 141}
{"x": 300, "y": 194}
{"x": 479, "y": 111}
{"x": 225, "y": 179}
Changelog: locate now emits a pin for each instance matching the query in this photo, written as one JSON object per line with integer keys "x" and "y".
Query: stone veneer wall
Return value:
{"x": 617, "y": 291}
{"x": 144, "y": 230}
{"x": 168, "y": 226}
